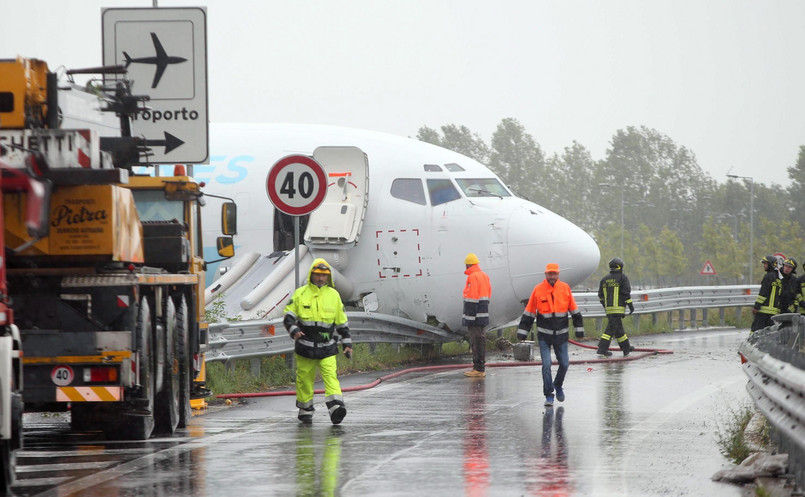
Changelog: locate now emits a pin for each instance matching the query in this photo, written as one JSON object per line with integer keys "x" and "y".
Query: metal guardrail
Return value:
{"x": 775, "y": 365}
{"x": 257, "y": 338}
{"x": 247, "y": 339}
{"x": 675, "y": 299}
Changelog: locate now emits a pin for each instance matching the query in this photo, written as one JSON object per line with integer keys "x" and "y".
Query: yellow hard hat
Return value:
{"x": 471, "y": 259}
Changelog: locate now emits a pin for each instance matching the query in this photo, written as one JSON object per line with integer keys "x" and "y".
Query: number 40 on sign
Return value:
{"x": 296, "y": 185}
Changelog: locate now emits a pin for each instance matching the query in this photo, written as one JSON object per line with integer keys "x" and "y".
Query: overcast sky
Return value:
{"x": 724, "y": 78}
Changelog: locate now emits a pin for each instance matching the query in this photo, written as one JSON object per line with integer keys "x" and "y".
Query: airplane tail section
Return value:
{"x": 128, "y": 58}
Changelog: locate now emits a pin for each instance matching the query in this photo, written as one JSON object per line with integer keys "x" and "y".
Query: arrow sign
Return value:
{"x": 170, "y": 143}
{"x": 708, "y": 269}
{"x": 165, "y": 53}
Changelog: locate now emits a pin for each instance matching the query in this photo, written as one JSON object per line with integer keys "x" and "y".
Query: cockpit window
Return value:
{"x": 482, "y": 187}
{"x": 432, "y": 168}
{"x": 408, "y": 189}
{"x": 442, "y": 191}
{"x": 453, "y": 167}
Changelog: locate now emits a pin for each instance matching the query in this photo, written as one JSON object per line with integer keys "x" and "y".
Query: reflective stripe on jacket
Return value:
{"x": 477, "y": 292}
{"x": 319, "y": 314}
{"x": 768, "y": 298}
{"x": 551, "y": 306}
{"x": 615, "y": 292}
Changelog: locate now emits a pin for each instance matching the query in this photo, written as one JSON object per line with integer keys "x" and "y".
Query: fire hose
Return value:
{"x": 641, "y": 354}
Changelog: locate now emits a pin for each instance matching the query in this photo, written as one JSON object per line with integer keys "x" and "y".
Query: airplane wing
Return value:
{"x": 162, "y": 60}
{"x": 161, "y": 53}
{"x": 158, "y": 74}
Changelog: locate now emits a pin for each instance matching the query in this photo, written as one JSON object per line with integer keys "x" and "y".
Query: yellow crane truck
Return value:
{"x": 109, "y": 302}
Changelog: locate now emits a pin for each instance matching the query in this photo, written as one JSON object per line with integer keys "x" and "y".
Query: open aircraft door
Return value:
{"x": 337, "y": 222}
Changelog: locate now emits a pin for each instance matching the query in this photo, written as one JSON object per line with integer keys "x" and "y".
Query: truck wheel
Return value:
{"x": 185, "y": 361}
{"x": 167, "y": 406}
{"x": 7, "y": 460}
{"x": 138, "y": 424}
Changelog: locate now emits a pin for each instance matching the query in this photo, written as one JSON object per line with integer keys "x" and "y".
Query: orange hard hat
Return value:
{"x": 552, "y": 268}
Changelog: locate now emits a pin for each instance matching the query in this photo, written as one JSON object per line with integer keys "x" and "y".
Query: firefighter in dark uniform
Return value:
{"x": 615, "y": 294}
{"x": 791, "y": 288}
{"x": 799, "y": 296}
{"x": 767, "y": 303}
{"x": 313, "y": 317}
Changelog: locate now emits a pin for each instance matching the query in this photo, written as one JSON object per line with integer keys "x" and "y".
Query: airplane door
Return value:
{"x": 339, "y": 219}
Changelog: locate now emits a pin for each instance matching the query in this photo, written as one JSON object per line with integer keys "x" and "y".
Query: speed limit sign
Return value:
{"x": 62, "y": 375}
{"x": 296, "y": 185}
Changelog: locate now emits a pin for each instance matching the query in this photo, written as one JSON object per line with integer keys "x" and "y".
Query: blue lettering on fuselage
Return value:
{"x": 223, "y": 169}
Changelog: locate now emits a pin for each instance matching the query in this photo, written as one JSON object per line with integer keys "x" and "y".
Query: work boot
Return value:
{"x": 603, "y": 347}
{"x": 625, "y": 347}
{"x": 337, "y": 411}
{"x": 474, "y": 374}
{"x": 560, "y": 394}
{"x": 549, "y": 401}
{"x": 306, "y": 415}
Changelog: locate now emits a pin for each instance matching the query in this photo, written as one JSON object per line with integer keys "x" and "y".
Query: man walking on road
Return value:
{"x": 550, "y": 303}
{"x": 313, "y": 317}
{"x": 477, "y": 292}
{"x": 615, "y": 293}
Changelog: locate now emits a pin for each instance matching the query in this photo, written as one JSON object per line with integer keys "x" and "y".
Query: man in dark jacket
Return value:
{"x": 615, "y": 293}
{"x": 768, "y": 298}
{"x": 799, "y": 296}
{"x": 790, "y": 287}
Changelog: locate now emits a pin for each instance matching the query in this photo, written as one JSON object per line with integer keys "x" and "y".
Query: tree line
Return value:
{"x": 675, "y": 216}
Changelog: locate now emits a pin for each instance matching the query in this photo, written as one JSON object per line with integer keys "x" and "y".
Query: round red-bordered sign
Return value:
{"x": 296, "y": 185}
{"x": 62, "y": 375}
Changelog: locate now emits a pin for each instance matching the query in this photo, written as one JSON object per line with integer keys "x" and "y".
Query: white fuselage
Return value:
{"x": 409, "y": 255}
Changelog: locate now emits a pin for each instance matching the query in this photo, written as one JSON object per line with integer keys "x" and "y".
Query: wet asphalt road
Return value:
{"x": 640, "y": 428}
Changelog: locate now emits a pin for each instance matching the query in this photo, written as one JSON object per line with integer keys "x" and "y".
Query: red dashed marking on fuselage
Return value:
{"x": 278, "y": 302}
{"x": 380, "y": 274}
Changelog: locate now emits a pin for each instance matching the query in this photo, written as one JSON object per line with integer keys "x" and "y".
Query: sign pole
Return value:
{"x": 296, "y": 250}
{"x": 296, "y": 185}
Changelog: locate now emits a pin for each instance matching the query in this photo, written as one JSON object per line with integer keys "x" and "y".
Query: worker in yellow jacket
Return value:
{"x": 315, "y": 318}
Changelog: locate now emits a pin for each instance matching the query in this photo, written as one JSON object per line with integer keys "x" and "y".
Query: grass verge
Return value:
{"x": 730, "y": 433}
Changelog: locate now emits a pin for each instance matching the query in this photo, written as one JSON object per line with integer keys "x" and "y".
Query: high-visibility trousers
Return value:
{"x": 306, "y": 376}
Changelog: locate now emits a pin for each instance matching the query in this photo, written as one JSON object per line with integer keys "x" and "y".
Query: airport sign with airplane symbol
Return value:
{"x": 164, "y": 51}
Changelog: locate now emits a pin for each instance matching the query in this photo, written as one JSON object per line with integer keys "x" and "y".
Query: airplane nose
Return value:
{"x": 535, "y": 237}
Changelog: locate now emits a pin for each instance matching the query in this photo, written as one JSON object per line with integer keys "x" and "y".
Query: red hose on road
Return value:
{"x": 631, "y": 357}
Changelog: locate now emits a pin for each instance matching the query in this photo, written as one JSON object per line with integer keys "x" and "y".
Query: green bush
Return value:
{"x": 730, "y": 433}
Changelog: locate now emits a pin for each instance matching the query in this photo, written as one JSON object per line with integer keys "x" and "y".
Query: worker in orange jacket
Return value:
{"x": 550, "y": 303}
{"x": 477, "y": 292}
